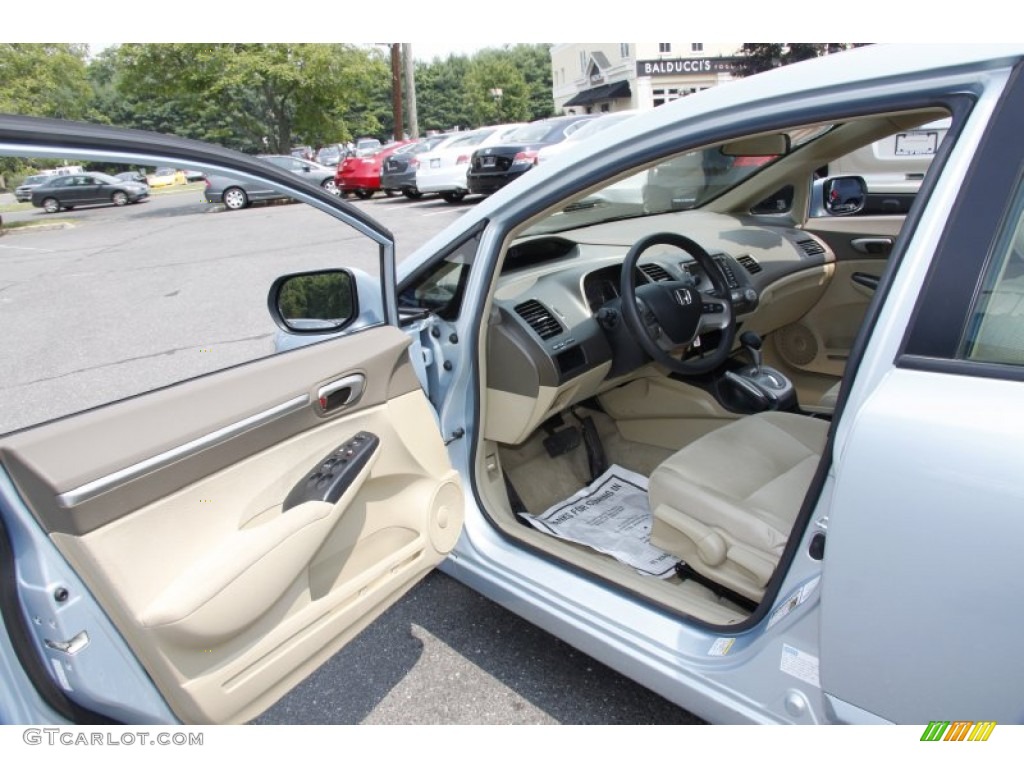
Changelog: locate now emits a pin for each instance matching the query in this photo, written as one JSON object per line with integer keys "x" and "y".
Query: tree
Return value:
{"x": 457, "y": 91}
{"x": 441, "y": 94}
{"x": 44, "y": 79}
{"x": 759, "y": 57}
{"x": 496, "y": 90}
{"x": 274, "y": 95}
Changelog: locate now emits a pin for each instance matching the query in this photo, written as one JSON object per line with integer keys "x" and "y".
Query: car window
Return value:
{"x": 995, "y": 333}
{"x": 530, "y": 133}
{"x": 148, "y": 295}
{"x": 471, "y": 140}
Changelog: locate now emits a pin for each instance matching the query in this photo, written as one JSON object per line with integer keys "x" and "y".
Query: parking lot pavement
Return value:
{"x": 446, "y": 655}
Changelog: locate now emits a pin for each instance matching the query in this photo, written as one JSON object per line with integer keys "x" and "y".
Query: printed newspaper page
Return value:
{"x": 612, "y": 516}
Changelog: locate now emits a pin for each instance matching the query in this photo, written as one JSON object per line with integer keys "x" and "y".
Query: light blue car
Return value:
{"x": 751, "y": 449}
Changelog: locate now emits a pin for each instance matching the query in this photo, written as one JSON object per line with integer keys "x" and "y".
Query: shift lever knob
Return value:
{"x": 752, "y": 342}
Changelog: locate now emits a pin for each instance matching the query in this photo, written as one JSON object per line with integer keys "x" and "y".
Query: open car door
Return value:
{"x": 229, "y": 505}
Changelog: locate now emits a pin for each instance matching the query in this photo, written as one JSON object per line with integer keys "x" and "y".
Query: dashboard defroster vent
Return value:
{"x": 811, "y": 247}
{"x": 749, "y": 263}
{"x": 656, "y": 272}
{"x": 539, "y": 318}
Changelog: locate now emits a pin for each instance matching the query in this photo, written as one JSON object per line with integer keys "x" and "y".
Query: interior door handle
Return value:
{"x": 341, "y": 392}
{"x": 873, "y": 246}
{"x": 863, "y": 278}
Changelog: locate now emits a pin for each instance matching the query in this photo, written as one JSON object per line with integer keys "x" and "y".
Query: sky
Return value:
{"x": 479, "y": 24}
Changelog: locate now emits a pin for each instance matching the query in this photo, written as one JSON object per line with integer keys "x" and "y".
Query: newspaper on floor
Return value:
{"x": 612, "y": 516}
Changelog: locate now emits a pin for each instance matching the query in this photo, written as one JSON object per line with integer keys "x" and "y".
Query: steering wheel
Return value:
{"x": 666, "y": 317}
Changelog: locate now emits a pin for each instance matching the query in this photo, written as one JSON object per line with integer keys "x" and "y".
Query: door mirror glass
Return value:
{"x": 845, "y": 195}
{"x": 314, "y": 302}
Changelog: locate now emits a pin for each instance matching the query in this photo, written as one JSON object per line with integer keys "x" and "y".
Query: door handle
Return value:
{"x": 863, "y": 278}
{"x": 340, "y": 392}
{"x": 872, "y": 246}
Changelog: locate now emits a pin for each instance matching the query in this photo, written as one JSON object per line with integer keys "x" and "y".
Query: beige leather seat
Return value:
{"x": 726, "y": 503}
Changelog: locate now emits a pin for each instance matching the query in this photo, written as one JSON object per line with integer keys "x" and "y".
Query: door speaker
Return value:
{"x": 796, "y": 344}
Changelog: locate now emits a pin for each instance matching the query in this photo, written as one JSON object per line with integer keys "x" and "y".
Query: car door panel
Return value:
{"x": 170, "y": 507}
{"x": 814, "y": 349}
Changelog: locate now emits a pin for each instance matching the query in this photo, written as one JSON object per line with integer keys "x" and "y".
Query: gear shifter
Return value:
{"x": 752, "y": 343}
{"x": 763, "y": 387}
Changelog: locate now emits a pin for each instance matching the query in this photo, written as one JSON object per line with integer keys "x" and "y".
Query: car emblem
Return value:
{"x": 683, "y": 297}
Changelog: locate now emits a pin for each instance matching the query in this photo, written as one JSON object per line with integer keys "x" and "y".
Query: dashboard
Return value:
{"x": 553, "y": 338}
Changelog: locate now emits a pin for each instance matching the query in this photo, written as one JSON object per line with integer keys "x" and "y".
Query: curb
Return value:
{"x": 37, "y": 228}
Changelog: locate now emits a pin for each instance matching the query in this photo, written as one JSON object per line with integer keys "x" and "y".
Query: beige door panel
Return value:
{"x": 227, "y": 599}
{"x": 84, "y": 471}
{"x": 813, "y": 350}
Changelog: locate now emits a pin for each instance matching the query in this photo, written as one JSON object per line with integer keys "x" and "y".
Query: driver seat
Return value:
{"x": 727, "y": 502}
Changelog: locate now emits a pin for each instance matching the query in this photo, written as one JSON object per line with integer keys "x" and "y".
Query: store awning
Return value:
{"x": 619, "y": 90}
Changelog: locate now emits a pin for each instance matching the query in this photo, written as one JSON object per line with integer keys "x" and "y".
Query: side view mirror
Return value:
{"x": 313, "y": 302}
{"x": 839, "y": 196}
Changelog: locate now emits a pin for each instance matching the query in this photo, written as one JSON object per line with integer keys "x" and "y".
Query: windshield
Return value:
{"x": 679, "y": 183}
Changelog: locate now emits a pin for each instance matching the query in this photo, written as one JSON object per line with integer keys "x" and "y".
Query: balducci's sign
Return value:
{"x": 684, "y": 66}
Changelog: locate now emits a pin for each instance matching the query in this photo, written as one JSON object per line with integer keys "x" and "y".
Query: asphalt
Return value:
{"x": 446, "y": 655}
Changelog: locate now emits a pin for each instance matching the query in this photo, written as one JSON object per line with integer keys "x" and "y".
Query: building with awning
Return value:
{"x": 590, "y": 78}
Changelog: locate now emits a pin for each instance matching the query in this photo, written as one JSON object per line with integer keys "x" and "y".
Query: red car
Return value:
{"x": 361, "y": 175}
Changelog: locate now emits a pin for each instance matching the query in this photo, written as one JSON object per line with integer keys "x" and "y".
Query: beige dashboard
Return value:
{"x": 552, "y": 340}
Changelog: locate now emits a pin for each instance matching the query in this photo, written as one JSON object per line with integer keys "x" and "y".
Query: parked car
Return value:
{"x": 398, "y": 171}
{"x": 303, "y": 152}
{"x": 598, "y": 124}
{"x": 23, "y": 192}
{"x": 361, "y": 174}
{"x": 796, "y": 432}
{"x": 236, "y": 194}
{"x": 133, "y": 176}
{"x": 67, "y": 192}
{"x": 332, "y": 155}
{"x": 365, "y": 147}
{"x": 443, "y": 169}
{"x": 166, "y": 177}
{"x": 491, "y": 168}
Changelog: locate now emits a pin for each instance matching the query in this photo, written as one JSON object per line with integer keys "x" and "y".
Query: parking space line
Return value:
{"x": 23, "y": 248}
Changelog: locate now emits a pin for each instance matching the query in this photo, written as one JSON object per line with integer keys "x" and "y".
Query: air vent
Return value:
{"x": 811, "y": 247}
{"x": 539, "y": 318}
{"x": 656, "y": 272}
{"x": 749, "y": 263}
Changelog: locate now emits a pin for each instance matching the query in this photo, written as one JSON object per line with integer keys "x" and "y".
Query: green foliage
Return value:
{"x": 318, "y": 297}
{"x": 44, "y": 79}
{"x": 760, "y": 57}
{"x": 457, "y": 91}
{"x": 496, "y": 90}
{"x": 258, "y": 97}
{"x": 268, "y": 96}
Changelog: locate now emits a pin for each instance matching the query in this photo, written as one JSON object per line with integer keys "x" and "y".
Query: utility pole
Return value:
{"x": 396, "y": 89}
{"x": 410, "y": 90}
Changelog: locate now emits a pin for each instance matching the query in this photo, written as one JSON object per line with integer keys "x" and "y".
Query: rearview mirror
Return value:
{"x": 758, "y": 146}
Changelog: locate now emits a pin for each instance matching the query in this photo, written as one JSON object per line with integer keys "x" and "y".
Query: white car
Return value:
{"x": 586, "y": 130}
{"x": 443, "y": 169}
{"x": 754, "y": 451}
